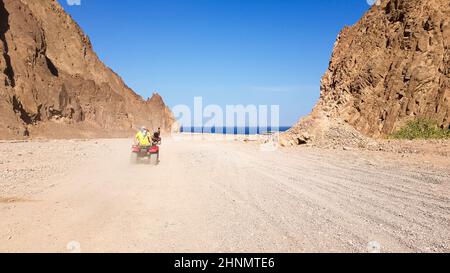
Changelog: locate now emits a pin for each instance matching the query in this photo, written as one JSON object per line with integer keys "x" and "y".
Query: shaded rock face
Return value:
{"x": 52, "y": 84}
{"x": 390, "y": 67}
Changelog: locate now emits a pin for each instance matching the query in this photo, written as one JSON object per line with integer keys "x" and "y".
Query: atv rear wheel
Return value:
{"x": 134, "y": 159}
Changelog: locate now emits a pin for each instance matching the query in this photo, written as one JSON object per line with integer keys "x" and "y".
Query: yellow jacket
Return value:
{"x": 144, "y": 140}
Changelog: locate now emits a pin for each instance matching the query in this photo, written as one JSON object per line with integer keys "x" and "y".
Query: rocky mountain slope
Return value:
{"x": 391, "y": 67}
{"x": 52, "y": 84}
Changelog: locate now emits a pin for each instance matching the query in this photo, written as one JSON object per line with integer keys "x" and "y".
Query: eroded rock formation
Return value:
{"x": 52, "y": 84}
{"x": 390, "y": 67}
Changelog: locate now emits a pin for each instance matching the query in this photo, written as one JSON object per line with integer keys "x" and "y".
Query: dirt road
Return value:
{"x": 63, "y": 196}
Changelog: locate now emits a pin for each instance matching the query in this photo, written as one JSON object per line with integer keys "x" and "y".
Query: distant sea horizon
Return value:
{"x": 234, "y": 130}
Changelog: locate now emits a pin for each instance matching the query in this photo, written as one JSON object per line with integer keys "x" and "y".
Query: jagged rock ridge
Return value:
{"x": 52, "y": 84}
{"x": 390, "y": 67}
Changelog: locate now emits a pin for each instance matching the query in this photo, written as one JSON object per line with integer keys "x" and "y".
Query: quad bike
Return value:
{"x": 140, "y": 153}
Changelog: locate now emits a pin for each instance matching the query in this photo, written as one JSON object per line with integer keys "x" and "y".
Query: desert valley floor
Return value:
{"x": 219, "y": 196}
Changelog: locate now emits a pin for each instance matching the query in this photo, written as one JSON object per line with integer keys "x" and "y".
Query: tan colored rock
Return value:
{"x": 390, "y": 67}
{"x": 52, "y": 84}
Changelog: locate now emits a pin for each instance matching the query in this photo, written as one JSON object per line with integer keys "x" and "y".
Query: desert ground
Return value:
{"x": 211, "y": 195}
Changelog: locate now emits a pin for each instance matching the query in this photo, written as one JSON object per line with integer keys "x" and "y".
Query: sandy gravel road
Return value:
{"x": 213, "y": 196}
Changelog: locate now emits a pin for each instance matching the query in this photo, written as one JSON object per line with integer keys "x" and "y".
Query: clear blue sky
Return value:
{"x": 228, "y": 51}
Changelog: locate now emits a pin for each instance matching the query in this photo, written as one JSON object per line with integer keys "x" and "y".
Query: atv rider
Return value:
{"x": 143, "y": 137}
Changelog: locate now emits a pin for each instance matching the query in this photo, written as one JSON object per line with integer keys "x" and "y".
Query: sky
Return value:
{"x": 230, "y": 52}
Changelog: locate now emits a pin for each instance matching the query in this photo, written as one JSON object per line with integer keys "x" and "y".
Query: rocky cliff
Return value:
{"x": 52, "y": 84}
{"x": 390, "y": 67}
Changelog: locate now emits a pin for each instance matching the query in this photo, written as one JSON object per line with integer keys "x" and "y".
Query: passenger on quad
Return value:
{"x": 157, "y": 137}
